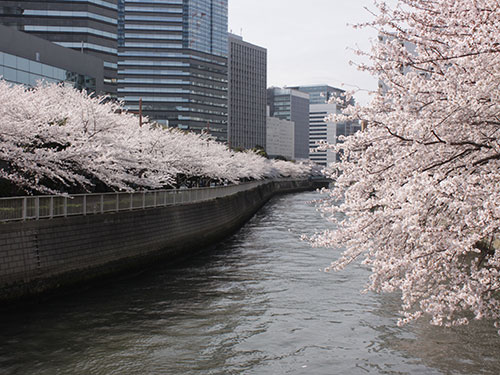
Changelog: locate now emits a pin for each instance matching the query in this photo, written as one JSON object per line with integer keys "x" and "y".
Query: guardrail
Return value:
{"x": 50, "y": 206}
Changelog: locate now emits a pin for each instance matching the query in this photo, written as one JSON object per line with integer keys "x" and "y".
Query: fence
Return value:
{"x": 50, "y": 206}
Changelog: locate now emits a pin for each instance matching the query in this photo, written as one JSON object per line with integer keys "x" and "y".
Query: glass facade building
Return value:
{"x": 88, "y": 26}
{"x": 169, "y": 55}
{"x": 20, "y": 70}
{"x": 205, "y": 26}
{"x": 292, "y": 105}
{"x": 173, "y": 60}
{"x": 26, "y": 59}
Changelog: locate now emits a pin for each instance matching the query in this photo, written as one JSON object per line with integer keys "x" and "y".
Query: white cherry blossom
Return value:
{"x": 420, "y": 187}
{"x": 54, "y": 139}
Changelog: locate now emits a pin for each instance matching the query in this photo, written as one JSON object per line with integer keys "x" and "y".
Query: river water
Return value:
{"x": 255, "y": 304}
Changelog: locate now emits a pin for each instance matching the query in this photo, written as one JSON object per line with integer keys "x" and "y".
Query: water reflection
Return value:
{"x": 255, "y": 304}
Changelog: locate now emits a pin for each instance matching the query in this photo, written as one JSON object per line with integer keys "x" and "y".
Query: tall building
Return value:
{"x": 323, "y": 129}
{"x": 321, "y": 126}
{"x": 88, "y": 26}
{"x": 292, "y": 105}
{"x": 173, "y": 60}
{"x": 247, "y": 65}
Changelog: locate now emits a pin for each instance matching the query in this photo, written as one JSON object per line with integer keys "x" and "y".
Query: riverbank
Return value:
{"x": 256, "y": 303}
{"x": 38, "y": 256}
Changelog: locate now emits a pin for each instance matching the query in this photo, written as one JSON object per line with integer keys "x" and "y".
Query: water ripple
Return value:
{"x": 256, "y": 304}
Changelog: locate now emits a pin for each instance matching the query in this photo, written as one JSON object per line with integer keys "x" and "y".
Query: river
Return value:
{"x": 257, "y": 303}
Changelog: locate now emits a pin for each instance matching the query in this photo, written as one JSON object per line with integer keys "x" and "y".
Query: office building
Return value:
{"x": 321, "y": 126}
{"x": 88, "y": 26}
{"x": 323, "y": 129}
{"x": 26, "y": 59}
{"x": 280, "y": 137}
{"x": 173, "y": 61}
{"x": 247, "y": 69}
{"x": 292, "y": 105}
{"x": 321, "y": 94}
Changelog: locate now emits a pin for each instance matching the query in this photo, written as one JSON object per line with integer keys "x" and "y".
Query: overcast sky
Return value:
{"x": 308, "y": 42}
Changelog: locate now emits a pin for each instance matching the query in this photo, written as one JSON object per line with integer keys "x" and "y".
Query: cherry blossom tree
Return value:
{"x": 55, "y": 139}
{"x": 420, "y": 186}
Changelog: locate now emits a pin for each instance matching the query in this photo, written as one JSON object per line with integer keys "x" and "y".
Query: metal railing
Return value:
{"x": 50, "y": 206}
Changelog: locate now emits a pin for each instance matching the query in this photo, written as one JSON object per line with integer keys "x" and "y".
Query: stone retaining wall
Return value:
{"x": 42, "y": 255}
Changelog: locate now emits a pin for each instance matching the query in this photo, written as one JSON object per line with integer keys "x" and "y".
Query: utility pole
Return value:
{"x": 140, "y": 112}
{"x": 208, "y": 133}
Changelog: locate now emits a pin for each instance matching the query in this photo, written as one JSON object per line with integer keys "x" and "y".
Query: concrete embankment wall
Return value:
{"x": 43, "y": 255}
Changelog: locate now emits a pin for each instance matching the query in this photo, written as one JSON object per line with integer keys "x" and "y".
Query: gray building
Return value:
{"x": 247, "y": 65}
{"x": 173, "y": 60}
{"x": 88, "y": 26}
{"x": 26, "y": 59}
{"x": 292, "y": 105}
{"x": 280, "y": 137}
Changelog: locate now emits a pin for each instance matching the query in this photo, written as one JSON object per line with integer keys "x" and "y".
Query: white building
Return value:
{"x": 280, "y": 137}
{"x": 323, "y": 129}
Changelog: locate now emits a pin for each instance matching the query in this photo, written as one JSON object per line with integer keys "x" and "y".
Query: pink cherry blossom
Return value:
{"x": 417, "y": 194}
{"x": 53, "y": 137}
